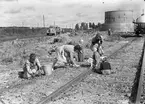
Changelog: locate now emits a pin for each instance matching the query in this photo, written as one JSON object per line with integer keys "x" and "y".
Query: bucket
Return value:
{"x": 47, "y": 69}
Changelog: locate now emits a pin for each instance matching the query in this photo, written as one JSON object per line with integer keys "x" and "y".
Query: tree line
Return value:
{"x": 85, "y": 26}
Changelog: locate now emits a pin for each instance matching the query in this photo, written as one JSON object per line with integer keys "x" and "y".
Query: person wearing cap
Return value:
{"x": 32, "y": 66}
{"x": 105, "y": 66}
{"x": 65, "y": 54}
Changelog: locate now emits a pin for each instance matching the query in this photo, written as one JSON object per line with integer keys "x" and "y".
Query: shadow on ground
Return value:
{"x": 128, "y": 36}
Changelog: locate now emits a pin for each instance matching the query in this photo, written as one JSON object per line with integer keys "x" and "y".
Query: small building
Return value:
{"x": 119, "y": 21}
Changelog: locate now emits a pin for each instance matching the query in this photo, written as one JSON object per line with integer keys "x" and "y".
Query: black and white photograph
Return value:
{"x": 72, "y": 51}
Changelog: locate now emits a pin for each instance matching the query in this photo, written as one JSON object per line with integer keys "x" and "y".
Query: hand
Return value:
{"x": 33, "y": 74}
{"x": 75, "y": 65}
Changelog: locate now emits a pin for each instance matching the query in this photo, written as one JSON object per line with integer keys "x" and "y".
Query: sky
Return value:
{"x": 64, "y": 13}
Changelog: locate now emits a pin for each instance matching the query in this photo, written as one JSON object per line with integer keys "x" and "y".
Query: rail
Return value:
{"x": 62, "y": 89}
{"x": 140, "y": 84}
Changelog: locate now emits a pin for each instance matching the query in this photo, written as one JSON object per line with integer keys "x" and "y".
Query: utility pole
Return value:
{"x": 43, "y": 21}
{"x": 37, "y": 25}
{"x": 54, "y": 23}
{"x": 22, "y": 24}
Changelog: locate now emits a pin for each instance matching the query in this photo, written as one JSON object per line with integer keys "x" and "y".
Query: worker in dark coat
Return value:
{"x": 96, "y": 47}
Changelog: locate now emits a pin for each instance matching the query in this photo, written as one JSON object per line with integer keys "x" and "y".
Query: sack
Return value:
{"x": 106, "y": 72}
{"x": 105, "y": 65}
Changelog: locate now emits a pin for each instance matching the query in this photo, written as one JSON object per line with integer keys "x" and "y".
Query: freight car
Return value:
{"x": 140, "y": 25}
{"x": 53, "y": 30}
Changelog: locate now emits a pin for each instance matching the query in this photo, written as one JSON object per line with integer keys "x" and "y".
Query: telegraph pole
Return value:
{"x": 37, "y": 25}
{"x": 54, "y": 23}
{"x": 22, "y": 24}
{"x": 43, "y": 21}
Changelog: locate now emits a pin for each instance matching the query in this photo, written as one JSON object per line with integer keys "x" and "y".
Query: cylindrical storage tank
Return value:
{"x": 141, "y": 19}
{"x": 119, "y": 21}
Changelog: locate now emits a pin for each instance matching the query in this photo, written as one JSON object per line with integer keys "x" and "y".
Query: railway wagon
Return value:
{"x": 140, "y": 25}
{"x": 53, "y": 30}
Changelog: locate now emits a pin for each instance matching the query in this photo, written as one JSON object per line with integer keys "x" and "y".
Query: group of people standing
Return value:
{"x": 66, "y": 55}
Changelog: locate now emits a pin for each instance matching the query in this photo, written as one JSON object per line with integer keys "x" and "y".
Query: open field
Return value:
{"x": 13, "y": 53}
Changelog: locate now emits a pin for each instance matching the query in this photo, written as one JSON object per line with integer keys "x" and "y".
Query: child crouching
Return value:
{"x": 105, "y": 66}
{"x": 32, "y": 67}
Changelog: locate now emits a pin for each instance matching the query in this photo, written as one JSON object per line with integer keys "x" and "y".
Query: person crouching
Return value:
{"x": 105, "y": 66}
{"x": 32, "y": 66}
{"x": 65, "y": 55}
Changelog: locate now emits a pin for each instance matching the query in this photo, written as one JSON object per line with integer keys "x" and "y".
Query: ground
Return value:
{"x": 13, "y": 53}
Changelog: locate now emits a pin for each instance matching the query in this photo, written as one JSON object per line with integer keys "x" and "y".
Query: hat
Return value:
{"x": 103, "y": 58}
{"x": 77, "y": 48}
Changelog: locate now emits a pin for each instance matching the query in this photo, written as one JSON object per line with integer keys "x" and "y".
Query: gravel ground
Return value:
{"x": 143, "y": 93}
{"x": 14, "y": 90}
{"x": 42, "y": 88}
{"x": 143, "y": 84}
{"x": 107, "y": 89}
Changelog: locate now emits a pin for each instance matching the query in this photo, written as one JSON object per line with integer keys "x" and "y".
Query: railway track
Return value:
{"x": 19, "y": 90}
{"x": 139, "y": 87}
{"x": 21, "y": 83}
{"x": 62, "y": 90}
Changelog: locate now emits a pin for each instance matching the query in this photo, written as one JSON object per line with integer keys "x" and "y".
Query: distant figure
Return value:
{"x": 105, "y": 66}
{"x": 96, "y": 47}
{"x": 32, "y": 66}
{"x": 65, "y": 54}
{"x": 109, "y": 32}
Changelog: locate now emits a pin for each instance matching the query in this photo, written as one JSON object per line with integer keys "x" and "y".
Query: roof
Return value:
{"x": 120, "y": 11}
{"x": 141, "y": 19}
